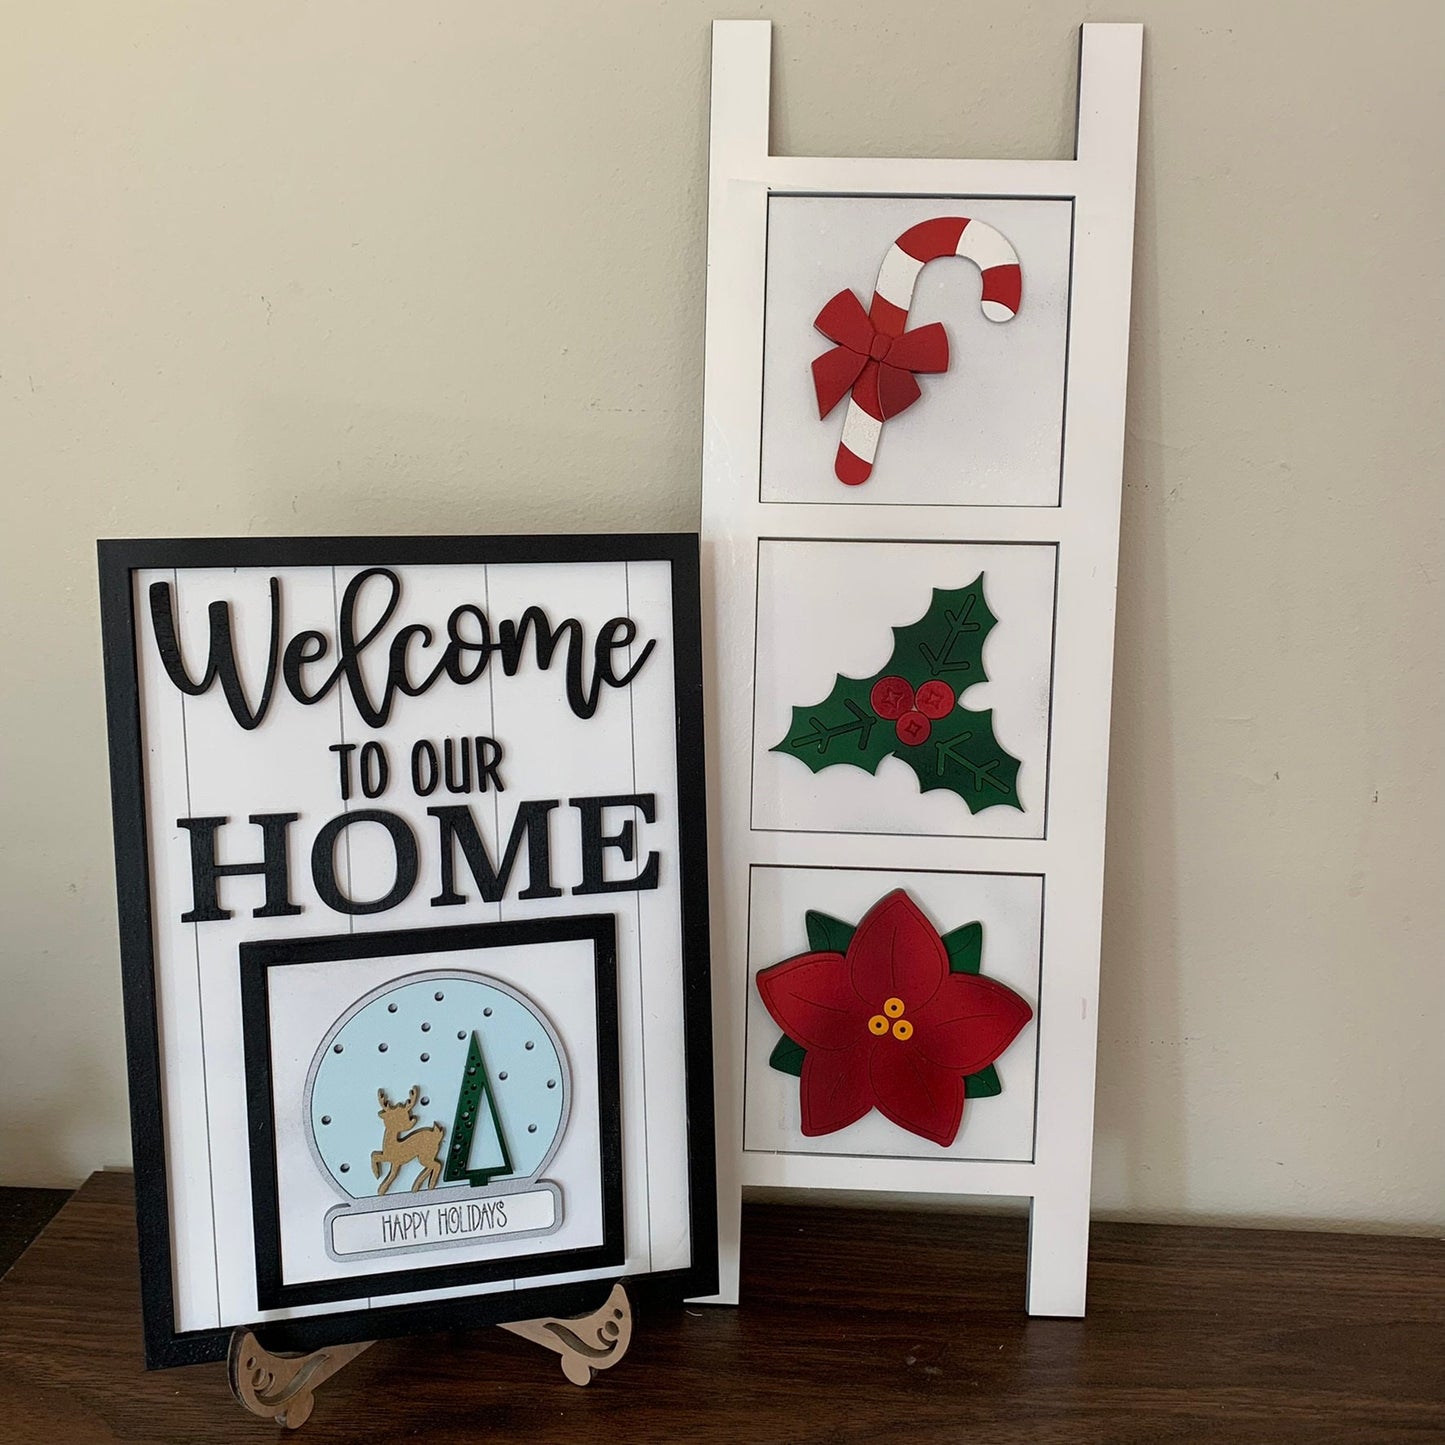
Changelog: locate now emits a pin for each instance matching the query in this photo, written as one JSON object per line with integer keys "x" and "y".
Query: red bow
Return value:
{"x": 876, "y": 367}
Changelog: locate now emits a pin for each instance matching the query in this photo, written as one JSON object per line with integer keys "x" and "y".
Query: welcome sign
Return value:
{"x": 409, "y": 839}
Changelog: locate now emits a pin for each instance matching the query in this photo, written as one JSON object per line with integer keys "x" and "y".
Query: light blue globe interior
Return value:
{"x": 418, "y": 1033}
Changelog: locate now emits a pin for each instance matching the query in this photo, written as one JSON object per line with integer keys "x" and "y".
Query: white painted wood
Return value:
{"x": 192, "y": 773}
{"x": 652, "y": 700}
{"x": 732, "y": 367}
{"x": 1100, "y": 184}
{"x": 177, "y": 982}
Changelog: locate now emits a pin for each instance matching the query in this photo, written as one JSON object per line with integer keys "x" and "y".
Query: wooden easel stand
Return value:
{"x": 282, "y": 1387}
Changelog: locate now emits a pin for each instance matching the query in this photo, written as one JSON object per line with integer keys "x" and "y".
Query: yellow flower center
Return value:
{"x": 891, "y": 1018}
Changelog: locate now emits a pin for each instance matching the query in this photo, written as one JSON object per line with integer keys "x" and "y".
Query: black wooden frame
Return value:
{"x": 118, "y": 560}
{"x": 259, "y": 959}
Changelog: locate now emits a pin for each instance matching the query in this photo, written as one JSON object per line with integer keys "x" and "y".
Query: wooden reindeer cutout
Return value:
{"x": 398, "y": 1148}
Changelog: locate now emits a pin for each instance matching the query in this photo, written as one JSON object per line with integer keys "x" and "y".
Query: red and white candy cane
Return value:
{"x": 876, "y": 358}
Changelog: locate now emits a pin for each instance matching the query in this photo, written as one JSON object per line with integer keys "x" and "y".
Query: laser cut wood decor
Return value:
{"x": 411, "y": 860}
{"x": 910, "y": 539}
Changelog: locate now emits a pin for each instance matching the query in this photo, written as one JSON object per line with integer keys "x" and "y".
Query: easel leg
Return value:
{"x": 282, "y": 1388}
{"x": 588, "y": 1342}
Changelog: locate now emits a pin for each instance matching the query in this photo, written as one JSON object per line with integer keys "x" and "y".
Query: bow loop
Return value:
{"x": 875, "y": 366}
{"x": 897, "y": 390}
{"x": 925, "y": 349}
{"x": 834, "y": 373}
{"x": 845, "y": 320}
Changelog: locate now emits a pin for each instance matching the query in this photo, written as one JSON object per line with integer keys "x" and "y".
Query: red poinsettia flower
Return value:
{"x": 888, "y": 1026}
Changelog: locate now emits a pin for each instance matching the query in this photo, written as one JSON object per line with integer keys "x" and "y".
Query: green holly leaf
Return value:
{"x": 787, "y": 1057}
{"x": 843, "y": 728}
{"x": 947, "y": 641}
{"x": 965, "y": 948}
{"x": 960, "y": 752}
{"x": 983, "y": 1085}
{"x": 827, "y": 934}
{"x": 962, "y": 755}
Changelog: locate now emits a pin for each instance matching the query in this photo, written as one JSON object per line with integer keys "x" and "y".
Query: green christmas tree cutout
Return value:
{"x": 827, "y": 934}
{"x": 474, "y": 1096}
{"x": 909, "y": 709}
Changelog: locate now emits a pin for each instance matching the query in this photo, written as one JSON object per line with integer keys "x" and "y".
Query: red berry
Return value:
{"x": 891, "y": 697}
{"x": 913, "y": 728}
{"x": 935, "y": 699}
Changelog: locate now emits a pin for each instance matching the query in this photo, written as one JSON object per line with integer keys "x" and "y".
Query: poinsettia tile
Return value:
{"x": 980, "y": 930}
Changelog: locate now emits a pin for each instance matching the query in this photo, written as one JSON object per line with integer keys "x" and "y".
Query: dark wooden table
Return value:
{"x": 856, "y": 1325}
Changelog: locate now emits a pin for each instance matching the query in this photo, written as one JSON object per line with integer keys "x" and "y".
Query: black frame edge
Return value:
{"x": 255, "y": 962}
{"x": 117, "y": 559}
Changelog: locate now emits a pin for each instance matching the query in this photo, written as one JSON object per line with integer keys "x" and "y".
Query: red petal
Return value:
{"x": 812, "y": 1001}
{"x": 836, "y": 1090}
{"x": 968, "y": 1023}
{"x": 915, "y": 1094}
{"x": 896, "y": 953}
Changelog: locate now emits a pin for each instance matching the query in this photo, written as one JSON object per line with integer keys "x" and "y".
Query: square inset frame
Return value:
{"x": 999, "y": 1115}
{"x": 986, "y": 431}
{"x": 832, "y": 613}
{"x": 258, "y": 961}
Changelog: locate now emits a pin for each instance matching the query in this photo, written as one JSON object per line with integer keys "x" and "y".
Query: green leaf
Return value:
{"x": 963, "y": 755}
{"x": 947, "y": 641}
{"x": 843, "y": 728}
{"x": 965, "y": 948}
{"x": 827, "y": 934}
{"x": 787, "y": 1057}
{"x": 982, "y": 1085}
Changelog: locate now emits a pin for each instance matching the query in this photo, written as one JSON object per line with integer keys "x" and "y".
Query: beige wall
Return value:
{"x": 335, "y": 266}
